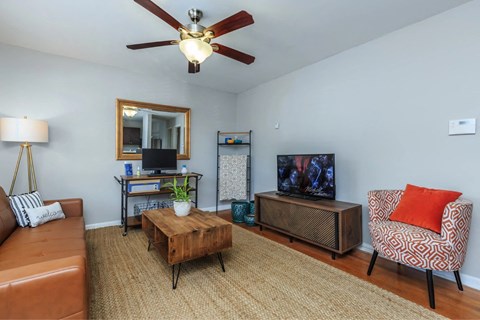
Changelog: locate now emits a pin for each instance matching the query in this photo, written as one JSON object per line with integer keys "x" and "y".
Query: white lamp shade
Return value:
{"x": 23, "y": 130}
{"x": 195, "y": 50}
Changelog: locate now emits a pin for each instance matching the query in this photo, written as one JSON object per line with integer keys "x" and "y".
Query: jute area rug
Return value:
{"x": 263, "y": 280}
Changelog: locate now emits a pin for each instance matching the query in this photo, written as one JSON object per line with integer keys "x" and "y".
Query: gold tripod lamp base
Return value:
{"x": 32, "y": 180}
{"x": 24, "y": 131}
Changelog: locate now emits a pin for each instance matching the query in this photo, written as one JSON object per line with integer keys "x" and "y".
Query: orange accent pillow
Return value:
{"x": 423, "y": 207}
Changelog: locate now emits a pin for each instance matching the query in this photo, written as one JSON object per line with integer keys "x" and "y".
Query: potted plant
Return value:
{"x": 181, "y": 197}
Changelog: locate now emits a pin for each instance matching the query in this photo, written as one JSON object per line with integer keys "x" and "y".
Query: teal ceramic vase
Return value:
{"x": 239, "y": 209}
{"x": 249, "y": 219}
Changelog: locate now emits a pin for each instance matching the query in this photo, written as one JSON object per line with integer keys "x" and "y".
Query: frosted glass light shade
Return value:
{"x": 23, "y": 130}
{"x": 130, "y": 113}
{"x": 195, "y": 50}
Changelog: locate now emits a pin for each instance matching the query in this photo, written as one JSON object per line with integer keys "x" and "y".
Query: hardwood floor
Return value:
{"x": 401, "y": 280}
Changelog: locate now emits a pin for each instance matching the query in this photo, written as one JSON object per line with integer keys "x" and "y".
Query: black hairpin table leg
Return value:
{"x": 220, "y": 258}
{"x": 175, "y": 282}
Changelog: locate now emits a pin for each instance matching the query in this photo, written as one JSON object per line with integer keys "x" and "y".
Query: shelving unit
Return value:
{"x": 245, "y": 148}
{"x": 125, "y": 181}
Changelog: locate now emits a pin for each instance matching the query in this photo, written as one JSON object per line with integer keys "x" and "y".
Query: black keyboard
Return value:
{"x": 164, "y": 174}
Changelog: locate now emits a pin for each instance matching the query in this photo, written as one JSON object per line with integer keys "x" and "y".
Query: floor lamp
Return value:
{"x": 25, "y": 131}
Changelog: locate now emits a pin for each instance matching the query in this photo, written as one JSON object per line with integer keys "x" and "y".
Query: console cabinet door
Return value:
{"x": 313, "y": 224}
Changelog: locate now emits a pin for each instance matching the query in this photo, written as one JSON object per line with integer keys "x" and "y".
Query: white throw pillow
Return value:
{"x": 20, "y": 203}
{"x": 41, "y": 215}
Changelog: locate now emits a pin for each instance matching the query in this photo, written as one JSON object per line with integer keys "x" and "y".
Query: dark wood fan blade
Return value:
{"x": 162, "y": 14}
{"x": 232, "y": 53}
{"x": 151, "y": 44}
{"x": 192, "y": 68}
{"x": 237, "y": 21}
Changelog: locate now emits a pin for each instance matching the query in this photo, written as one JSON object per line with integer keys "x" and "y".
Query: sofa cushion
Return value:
{"x": 53, "y": 240}
{"x": 21, "y": 202}
{"x": 41, "y": 215}
{"x": 8, "y": 223}
{"x": 423, "y": 207}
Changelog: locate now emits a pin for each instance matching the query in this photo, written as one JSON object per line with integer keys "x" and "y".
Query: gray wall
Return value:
{"x": 78, "y": 101}
{"x": 383, "y": 109}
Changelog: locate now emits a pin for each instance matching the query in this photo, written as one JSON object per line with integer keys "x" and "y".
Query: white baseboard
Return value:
{"x": 220, "y": 208}
{"x": 467, "y": 280}
{"x": 102, "y": 224}
{"x": 366, "y": 247}
{"x": 117, "y": 222}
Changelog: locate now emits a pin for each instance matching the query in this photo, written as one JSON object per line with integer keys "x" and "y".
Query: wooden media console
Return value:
{"x": 330, "y": 224}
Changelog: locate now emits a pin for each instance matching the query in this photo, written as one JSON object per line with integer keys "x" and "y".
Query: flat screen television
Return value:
{"x": 158, "y": 160}
{"x": 307, "y": 175}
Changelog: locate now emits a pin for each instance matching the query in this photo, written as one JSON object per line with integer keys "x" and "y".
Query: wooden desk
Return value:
{"x": 180, "y": 239}
{"x": 125, "y": 182}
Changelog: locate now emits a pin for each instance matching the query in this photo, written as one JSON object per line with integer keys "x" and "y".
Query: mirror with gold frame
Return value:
{"x": 148, "y": 125}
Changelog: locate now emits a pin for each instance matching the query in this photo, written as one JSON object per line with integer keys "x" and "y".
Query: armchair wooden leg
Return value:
{"x": 459, "y": 281}
{"x": 431, "y": 293}
{"x": 372, "y": 262}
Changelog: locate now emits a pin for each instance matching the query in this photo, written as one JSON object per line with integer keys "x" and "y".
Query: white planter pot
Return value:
{"x": 182, "y": 208}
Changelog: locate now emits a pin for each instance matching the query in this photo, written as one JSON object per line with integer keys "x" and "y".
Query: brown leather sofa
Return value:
{"x": 43, "y": 270}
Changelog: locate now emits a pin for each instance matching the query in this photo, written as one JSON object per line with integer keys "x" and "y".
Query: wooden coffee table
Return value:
{"x": 180, "y": 239}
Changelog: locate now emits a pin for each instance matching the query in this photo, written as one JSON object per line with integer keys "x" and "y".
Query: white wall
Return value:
{"x": 383, "y": 109}
{"x": 78, "y": 101}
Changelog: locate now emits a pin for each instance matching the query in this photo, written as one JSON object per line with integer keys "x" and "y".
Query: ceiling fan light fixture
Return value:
{"x": 130, "y": 112}
{"x": 195, "y": 50}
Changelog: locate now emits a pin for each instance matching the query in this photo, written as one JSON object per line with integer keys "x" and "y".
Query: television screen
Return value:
{"x": 311, "y": 175}
{"x": 159, "y": 159}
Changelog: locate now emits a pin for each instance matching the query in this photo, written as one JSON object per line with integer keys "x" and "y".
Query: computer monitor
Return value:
{"x": 158, "y": 160}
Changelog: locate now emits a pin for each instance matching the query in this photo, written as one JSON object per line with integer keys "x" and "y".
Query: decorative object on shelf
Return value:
{"x": 237, "y": 141}
{"x": 128, "y": 168}
{"x": 184, "y": 169}
{"x": 230, "y": 141}
{"x": 24, "y": 131}
{"x": 226, "y": 139}
{"x": 239, "y": 210}
{"x": 181, "y": 197}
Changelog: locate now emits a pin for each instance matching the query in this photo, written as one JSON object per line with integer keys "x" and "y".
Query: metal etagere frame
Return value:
{"x": 245, "y": 147}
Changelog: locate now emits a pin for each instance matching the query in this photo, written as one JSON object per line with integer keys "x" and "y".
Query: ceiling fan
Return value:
{"x": 195, "y": 39}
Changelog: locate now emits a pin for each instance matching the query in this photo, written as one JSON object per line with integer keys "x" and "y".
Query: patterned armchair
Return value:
{"x": 415, "y": 246}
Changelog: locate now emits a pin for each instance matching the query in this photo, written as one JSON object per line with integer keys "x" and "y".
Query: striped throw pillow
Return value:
{"x": 23, "y": 201}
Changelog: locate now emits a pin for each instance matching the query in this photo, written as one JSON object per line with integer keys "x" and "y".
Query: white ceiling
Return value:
{"x": 287, "y": 35}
